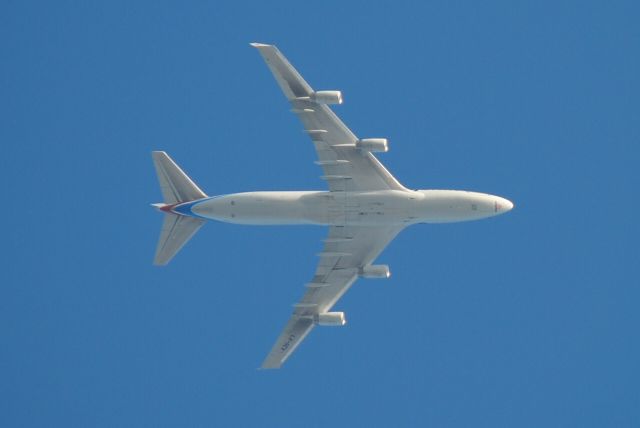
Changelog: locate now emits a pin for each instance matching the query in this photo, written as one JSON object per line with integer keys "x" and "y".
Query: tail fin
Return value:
{"x": 176, "y": 188}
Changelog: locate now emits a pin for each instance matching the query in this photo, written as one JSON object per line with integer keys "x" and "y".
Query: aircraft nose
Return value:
{"x": 502, "y": 205}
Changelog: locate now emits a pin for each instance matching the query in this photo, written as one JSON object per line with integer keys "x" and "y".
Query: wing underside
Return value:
{"x": 344, "y": 166}
{"x": 346, "y": 169}
{"x": 345, "y": 252}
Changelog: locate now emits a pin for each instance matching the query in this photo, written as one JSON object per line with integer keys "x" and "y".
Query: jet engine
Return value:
{"x": 375, "y": 271}
{"x": 327, "y": 97}
{"x": 373, "y": 145}
{"x": 333, "y": 319}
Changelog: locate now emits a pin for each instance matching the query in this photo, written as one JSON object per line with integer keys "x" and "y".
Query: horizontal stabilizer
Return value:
{"x": 176, "y": 231}
{"x": 176, "y": 186}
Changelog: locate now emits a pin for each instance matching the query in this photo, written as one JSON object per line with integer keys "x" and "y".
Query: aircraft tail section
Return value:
{"x": 176, "y": 231}
{"x": 177, "y": 188}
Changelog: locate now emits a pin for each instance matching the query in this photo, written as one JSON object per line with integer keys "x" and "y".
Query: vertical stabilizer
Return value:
{"x": 176, "y": 188}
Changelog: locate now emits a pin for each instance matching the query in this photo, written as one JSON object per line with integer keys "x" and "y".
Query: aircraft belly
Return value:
{"x": 259, "y": 208}
{"x": 368, "y": 208}
{"x": 322, "y": 208}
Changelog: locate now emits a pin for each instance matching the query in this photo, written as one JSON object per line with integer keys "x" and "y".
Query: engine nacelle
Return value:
{"x": 375, "y": 271}
{"x": 373, "y": 144}
{"x": 333, "y": 319}
{"x": 327, "y": 97}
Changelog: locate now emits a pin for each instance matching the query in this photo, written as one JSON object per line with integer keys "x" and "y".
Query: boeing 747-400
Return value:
{"x": 365, "y": 207}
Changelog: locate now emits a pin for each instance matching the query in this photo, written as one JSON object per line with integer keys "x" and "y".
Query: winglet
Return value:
{"x": 288, "y": 78}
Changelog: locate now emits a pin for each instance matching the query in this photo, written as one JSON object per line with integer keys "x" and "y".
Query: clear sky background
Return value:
{"x": 525, "y": 320}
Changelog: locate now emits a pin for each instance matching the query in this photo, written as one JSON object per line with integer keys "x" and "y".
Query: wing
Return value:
{"x": 345, "y": 167}
{"x": 345, "y": 252}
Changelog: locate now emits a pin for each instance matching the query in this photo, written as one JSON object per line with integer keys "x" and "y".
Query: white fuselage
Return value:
{"x": 346, "y": 208}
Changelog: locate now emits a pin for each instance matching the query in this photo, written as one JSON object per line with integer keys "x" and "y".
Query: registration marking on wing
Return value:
{"x": 288, "y": 342}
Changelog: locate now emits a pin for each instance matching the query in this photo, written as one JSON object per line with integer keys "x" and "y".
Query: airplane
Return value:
{"x": 365, "y": 207}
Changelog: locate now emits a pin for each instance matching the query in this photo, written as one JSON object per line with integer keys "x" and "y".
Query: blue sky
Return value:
{"x": 529, "y": 319}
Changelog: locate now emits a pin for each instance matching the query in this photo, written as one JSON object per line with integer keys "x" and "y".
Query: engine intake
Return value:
{"x": 332, "y": 319}
{"x": 327, "y": 97}
{"x": 375, "y": 271}
{"x": 373, "y": 145}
